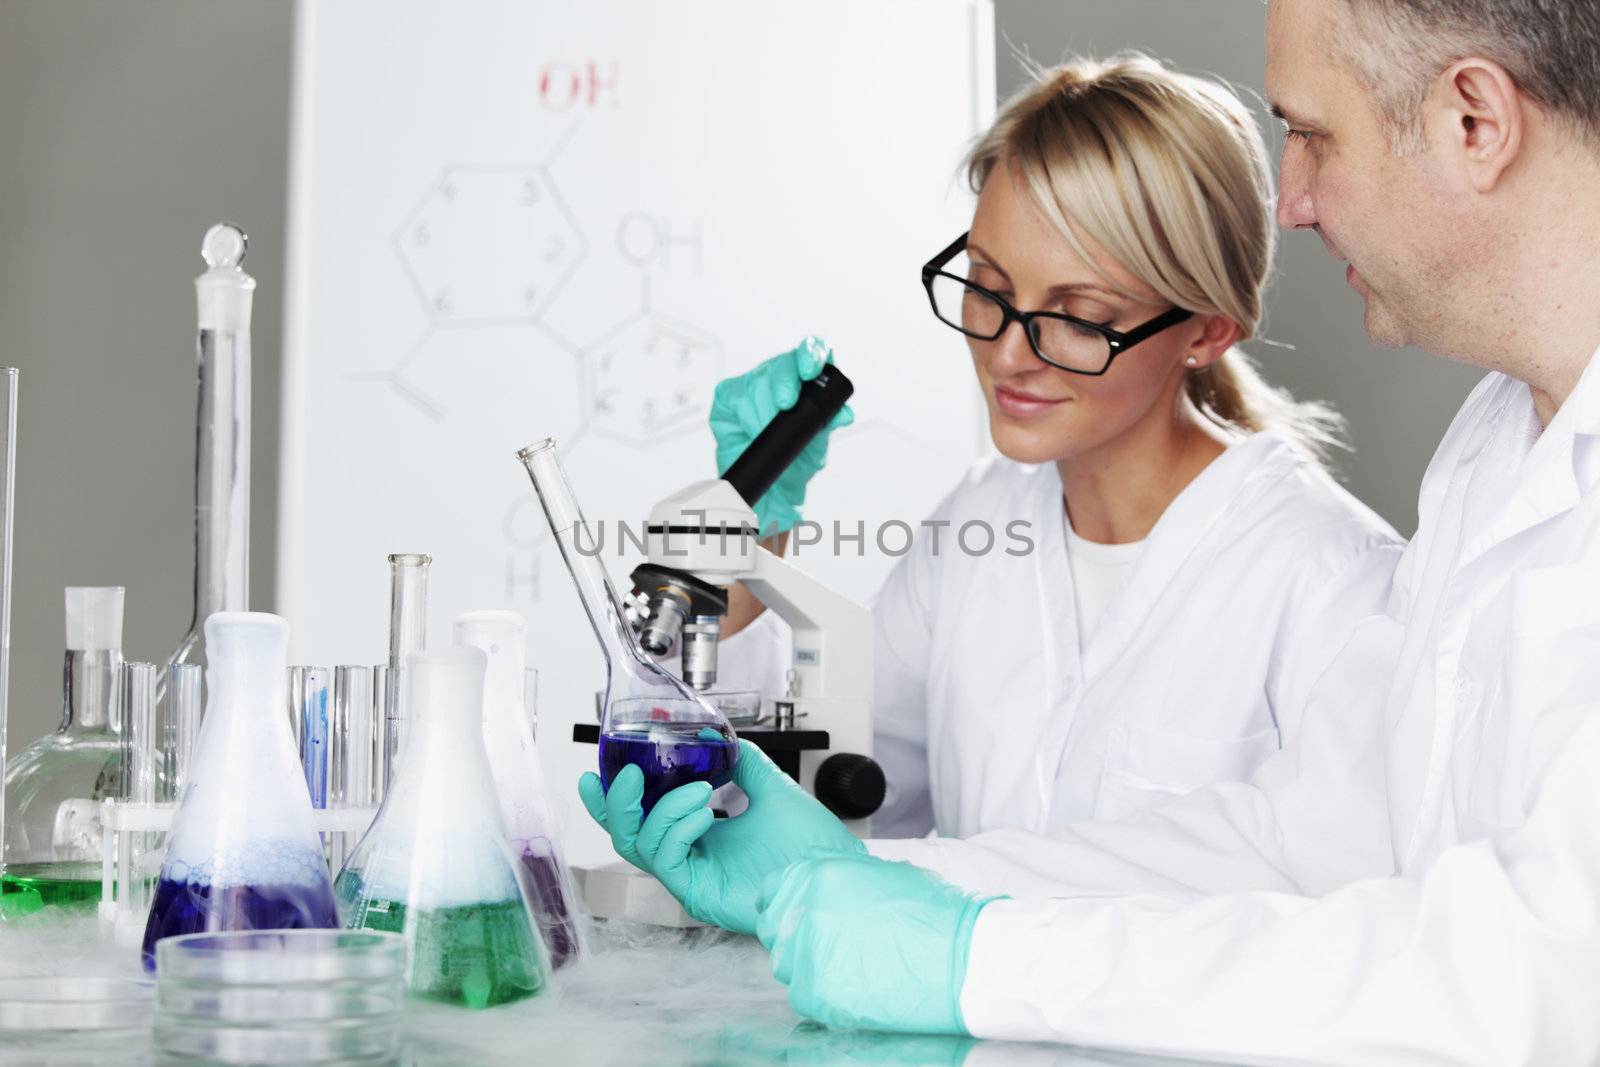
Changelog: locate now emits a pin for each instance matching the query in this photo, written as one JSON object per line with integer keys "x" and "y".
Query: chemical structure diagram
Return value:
{"x": 487, "y": 253}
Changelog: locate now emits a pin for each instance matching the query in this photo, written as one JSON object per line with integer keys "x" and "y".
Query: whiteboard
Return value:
{"x": 514, "y": 219}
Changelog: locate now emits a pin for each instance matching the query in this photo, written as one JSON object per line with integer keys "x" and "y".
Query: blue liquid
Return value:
{"x": 670, "y": 755}
{"x": 194, "y": 907}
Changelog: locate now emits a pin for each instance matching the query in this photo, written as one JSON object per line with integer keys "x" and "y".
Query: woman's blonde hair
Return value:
{"x": 1168, "y": 174}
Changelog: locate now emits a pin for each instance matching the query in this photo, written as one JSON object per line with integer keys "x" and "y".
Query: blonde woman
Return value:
{"x": 1193, "y": 565}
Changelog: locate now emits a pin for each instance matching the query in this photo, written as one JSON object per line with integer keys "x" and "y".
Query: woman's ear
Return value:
{"x": 1218, "y": 333}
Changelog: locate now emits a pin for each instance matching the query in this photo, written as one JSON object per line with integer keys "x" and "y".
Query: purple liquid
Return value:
{"x": 192, "y": 908}
{"x": 550, "y": 905}
{"x": 670, "y": 755}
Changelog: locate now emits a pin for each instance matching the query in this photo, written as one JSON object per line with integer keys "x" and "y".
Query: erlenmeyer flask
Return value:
{"x": 243, "y": 853}
{"x": 436, "y": 865}
{"x": 53, "y": 788}
{"x": 519, "y": 777}
{"x": 650, "y": 718}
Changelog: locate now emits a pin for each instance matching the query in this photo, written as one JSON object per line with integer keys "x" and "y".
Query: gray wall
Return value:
{"x": 128, "y": 126}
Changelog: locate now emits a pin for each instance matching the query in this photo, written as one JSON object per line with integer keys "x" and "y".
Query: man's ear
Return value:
{"x": 1478, "y": 106}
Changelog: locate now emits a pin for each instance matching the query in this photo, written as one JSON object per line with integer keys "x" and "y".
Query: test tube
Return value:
{"x": 141, "y": 739}
{"x": 182, "y": 725}
{"x": 8, "y": 470}
{"x": 142, "y": 762}
{"x": 353, "y": 735}
{"x": 408, "y": 624}
{"x": 308, "y": 707}
{"x": 380, "y": 735}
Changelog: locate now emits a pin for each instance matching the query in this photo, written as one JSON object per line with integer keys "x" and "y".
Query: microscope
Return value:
{"x": 702, "y": 539}
{"x": 698, "y": 542}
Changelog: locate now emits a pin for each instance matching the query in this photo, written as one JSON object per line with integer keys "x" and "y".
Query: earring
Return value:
{"x": 1192, "y": 361}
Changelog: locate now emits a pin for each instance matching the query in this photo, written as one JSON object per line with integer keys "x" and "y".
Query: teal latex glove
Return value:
{"x": 715, "y": 867}
{"x": 866, "y": 943}
{"x": 741, "y": 409}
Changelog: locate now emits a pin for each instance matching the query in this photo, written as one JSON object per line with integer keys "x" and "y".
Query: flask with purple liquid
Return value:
{"x": 649, "y": 717}
{"x": 243, "y": 853}
{"x": 519, "y": 779}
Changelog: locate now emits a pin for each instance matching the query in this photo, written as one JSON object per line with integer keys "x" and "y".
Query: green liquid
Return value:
{"x": 29, "y": 887}
{"x": 476, "y": 955}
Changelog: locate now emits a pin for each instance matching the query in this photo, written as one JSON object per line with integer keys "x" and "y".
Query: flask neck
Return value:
{"x": 444, "y": 704}
{"x": 408, "y": 606}
{"x": 222, "y": 473}
{"x": 246, "y": 680}
{"x": 89, "y": 681}
{"x": 580, "y": 551}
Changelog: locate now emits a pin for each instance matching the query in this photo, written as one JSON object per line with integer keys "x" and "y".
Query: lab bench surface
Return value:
{"x": 643, "y": 998}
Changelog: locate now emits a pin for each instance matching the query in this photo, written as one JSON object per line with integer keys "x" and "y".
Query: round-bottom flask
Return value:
{"x": 436, "y": 865}
{"x": 243, "y": 853}
{"x": 651, "y": 719}
{"x": 53, "y": 787}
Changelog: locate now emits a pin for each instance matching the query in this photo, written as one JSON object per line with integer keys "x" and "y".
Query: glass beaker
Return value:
{"x": 650, "y": 718}
{"x": 54, "y": 786}
{"x": 519, "y": 776}
{"x": 436, "y": 864}
{"x": 243, "y": 852}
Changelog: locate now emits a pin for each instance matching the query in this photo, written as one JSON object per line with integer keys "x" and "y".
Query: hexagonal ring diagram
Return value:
{"x": 652, "y": 376}
{"x": 490, "y": 246}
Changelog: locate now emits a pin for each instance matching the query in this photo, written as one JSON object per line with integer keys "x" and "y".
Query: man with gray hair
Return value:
{"x": 1416, "y": 877}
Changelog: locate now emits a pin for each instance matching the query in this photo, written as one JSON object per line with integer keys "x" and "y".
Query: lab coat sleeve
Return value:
{"x": 1491, "y": 955}
{"x": 1332, "y": 596}
{"x": 902, "y": 619}
{"x": 1313, "y": 816}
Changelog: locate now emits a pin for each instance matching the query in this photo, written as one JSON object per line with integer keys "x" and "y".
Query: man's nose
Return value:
{"x": 1295, "y": 209}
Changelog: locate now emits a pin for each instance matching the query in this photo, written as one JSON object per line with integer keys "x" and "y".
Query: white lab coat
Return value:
{"x": 988, "y": 716}
{"x": 1417, "y": 876}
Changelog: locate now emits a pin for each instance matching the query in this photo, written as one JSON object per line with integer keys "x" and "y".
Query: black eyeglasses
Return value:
{"x": 1063, "y": 341}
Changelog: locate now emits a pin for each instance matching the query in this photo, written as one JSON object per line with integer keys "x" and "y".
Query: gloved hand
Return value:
{"x": 741, "y": 409}
{"x": 715, "y": 867}
{"x": 863, "y": 942}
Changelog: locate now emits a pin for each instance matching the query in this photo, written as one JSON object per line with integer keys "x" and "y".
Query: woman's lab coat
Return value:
{"x": 1416, "y": 877}
{"x": 987, "y": 715}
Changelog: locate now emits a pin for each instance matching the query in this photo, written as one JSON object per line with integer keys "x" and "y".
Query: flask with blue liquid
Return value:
{"x": 243, "y": 853}
{"x": 649, "y": 717}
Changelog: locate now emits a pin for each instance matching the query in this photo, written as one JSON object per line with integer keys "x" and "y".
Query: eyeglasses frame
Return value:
{"x": 1119, "y": 341}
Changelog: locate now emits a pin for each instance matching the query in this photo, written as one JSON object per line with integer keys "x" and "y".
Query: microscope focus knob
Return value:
{"x": 851, "y": 786}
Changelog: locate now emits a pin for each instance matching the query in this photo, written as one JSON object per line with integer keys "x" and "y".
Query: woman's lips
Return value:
{"x": 1021, "y": 405}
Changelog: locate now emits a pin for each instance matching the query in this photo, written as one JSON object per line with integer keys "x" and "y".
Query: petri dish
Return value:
{"x": 741, "y": 707}
{"x": 34, "y": 1005}
{"x": 270, "y": 957}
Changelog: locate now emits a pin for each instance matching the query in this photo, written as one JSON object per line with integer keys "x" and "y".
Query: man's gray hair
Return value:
{"x": 1551, "y": 49}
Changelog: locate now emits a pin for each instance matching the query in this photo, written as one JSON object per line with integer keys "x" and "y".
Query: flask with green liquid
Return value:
{"x": 437, "y": 865}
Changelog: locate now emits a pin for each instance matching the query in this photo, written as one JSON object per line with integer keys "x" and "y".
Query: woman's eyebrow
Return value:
{"x": 1084, "y": 287}
{"x": 988, "y": 260}
{"x": 1055, "y": 291}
